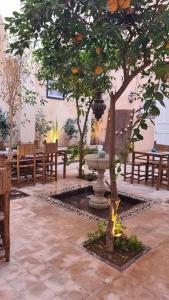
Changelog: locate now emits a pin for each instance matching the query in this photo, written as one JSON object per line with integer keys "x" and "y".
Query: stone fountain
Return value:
{"x": 100, "y": 163}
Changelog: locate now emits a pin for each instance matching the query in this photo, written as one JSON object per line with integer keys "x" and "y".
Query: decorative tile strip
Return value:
{"x": 131, "y": 213}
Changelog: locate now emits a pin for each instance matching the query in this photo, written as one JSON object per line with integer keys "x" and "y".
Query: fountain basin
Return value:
{"x": 95, "y": 162}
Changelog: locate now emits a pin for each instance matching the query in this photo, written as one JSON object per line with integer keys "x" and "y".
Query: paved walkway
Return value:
{"x": 47, "y": 261}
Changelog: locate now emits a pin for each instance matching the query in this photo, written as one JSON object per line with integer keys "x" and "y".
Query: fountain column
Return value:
{"x": 100, "y": 164}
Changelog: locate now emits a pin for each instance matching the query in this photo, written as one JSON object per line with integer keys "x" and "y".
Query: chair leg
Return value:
{"x": 64, "y": 165}
{"x": 159, "y": 177}
{"x": 152, "y": 179}
{"x": 34, "y": 175}
{"x": 18, "y": 176}
{"x": 138, "y": 174}
{"x": 51, "y": 167}
{"x": 44, "y": 174}
{"x": 47, "y": 167}
{"x": 124, "y": 171}
{"x": 132, "y": 174}
{"x": 56, "y": 171}
{"x": 146, "y": 173}
{"x": 6, "y": 227}
{"x": 6, "y": 241}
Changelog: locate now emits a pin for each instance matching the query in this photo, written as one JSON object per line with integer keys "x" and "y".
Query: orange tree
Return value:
{"x": 80, "y": 84}
{"x": 119, "y": 35}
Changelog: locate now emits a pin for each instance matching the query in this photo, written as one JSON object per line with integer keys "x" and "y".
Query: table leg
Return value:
{"x": 147, "y": 169}
{"x": 159, "y": 174}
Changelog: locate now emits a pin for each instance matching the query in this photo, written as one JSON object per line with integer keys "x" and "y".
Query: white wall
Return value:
{"x": 162, "y": 125}
{"x": 3, "y": 105}
{"x": 123, "y": 103}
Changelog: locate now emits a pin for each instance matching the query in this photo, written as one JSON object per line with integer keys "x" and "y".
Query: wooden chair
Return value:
{"x": 161, "y": 147}
{"x": 25, "y": 161}
{"x": 160, "y": 170}
{"x": 4, "y": 210}
{"x": 48, "y": 164}
{"x": 63, "y": 155}
{"x": 135, "y": 168}
{"x": 163, "y": 174}
{"x": 36, "y": 143}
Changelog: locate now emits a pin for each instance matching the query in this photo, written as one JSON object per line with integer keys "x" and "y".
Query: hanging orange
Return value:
{"x": 78, "y": 37}
{"x": 167, "y": 45}
{"x": 75, "y": 70}
{"x": 98, "y": 70}
{"x": 98, "y": 50}
{"x": 124, "y": 3}
{"x": 130, "y": 147}
{"x": 112, "y": 5}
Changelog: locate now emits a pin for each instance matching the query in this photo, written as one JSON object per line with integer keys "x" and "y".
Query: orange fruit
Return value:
{"x": 131, "y": 147}
{"x": 167, "y": 45}
{"x": 124, "y": 3}
{"x": 75, "y": 70}
{"x": 98, "y": 50}
{"x": 112, "y": 5}
{"x": 78, "y": 37}
{"x": 98, "y": 70}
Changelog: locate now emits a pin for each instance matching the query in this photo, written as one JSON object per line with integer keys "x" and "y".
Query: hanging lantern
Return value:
{"x": 98, "y": 106}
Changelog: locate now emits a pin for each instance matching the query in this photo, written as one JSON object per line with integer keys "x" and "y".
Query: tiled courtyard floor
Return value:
{"x": 48, "y": 263}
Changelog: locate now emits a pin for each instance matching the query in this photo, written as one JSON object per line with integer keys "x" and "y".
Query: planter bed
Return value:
{"x": 118, "y": 259}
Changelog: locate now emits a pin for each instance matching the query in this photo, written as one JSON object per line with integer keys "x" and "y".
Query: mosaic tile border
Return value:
{"x": 131, "y": 213}
{"x": 17, "y": 194}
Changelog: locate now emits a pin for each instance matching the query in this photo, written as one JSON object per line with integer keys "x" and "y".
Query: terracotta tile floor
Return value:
{"x": 47, "y": 261}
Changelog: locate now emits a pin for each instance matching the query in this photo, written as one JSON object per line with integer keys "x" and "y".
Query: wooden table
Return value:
{"x": 150, "y": 156}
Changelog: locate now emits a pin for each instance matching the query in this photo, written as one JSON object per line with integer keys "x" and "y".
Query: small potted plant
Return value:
{"x": 70, "y": 129}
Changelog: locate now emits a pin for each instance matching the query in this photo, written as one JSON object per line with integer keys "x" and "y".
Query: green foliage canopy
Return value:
{"x": 66, "y": 34}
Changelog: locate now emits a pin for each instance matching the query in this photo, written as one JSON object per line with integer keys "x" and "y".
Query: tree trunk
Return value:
{"x": 81, "y": 156}
{"x": 82, "y": 132}
{"x": 113, "y": 185}
{"x": 10, "y": 136}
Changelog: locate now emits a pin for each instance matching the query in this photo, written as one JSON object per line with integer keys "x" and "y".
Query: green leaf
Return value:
{"x": 159, "y": 96}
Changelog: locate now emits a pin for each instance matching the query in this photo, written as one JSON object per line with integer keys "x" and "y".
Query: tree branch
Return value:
{"x": 87, "y": 114}
{"x": 78, "y": 118}
{"x": 126, "y": 82}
